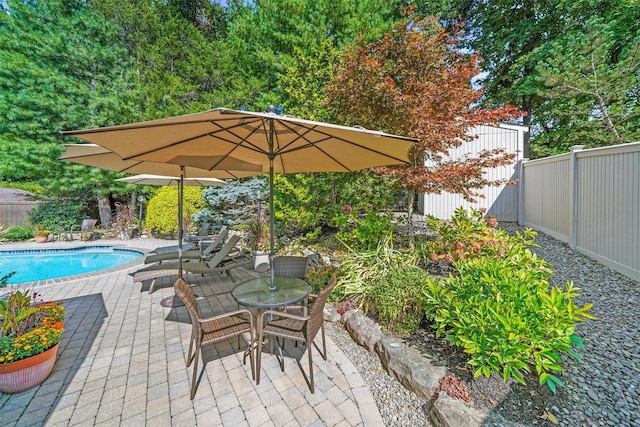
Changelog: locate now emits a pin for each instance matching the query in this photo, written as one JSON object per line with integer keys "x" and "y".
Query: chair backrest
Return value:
{"x": 185, "y": 293}
{"x": 224, "y": 251}
{"x": 316, "y": 314}
{"x": 88, "y": 225}
{"x": 204, "y": 229}
{"x": 290, "y": 266}
{"x": 222, "y": 235}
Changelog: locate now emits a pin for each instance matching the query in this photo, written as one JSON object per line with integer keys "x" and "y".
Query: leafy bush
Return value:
{"x": 386, "y": 281}
{"x": 362, "y": 233}
{"x": 506, "y": 316}
{"x": 162, "y": 210}
{"x": 467, "y": 235}
{"x": 16, "y": 234}
{"x": 58, "y": 213}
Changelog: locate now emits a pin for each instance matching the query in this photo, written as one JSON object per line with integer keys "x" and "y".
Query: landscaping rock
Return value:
{"x": 410, "y": 366}
{"x": 450, "y": 412}
{"x": 362, "y": 329}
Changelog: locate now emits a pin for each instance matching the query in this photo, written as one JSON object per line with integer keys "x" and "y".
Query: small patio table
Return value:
{"x": 255, "y": 293}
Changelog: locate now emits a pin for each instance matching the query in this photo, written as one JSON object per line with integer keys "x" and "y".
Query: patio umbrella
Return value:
{"x": 280, "y": 144}
{"x": 101, "y": 157}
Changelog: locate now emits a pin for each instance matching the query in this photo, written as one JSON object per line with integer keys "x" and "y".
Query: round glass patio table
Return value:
{"x": 255, "y": 293}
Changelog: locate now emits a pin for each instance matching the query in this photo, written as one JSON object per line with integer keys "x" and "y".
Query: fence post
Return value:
{"x": 573, "y": 167}
{"x": 521, "y": 208}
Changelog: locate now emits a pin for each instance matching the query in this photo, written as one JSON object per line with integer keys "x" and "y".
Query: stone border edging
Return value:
{"x": 414, "y": 369}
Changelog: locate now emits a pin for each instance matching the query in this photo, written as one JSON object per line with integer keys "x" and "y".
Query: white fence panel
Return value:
{"x": 500, "y": 202}
{"x": 589, "y": 199}
{"x": 546, "y": 189}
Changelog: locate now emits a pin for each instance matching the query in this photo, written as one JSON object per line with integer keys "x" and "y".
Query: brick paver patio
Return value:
{"x": 122, "y": 357}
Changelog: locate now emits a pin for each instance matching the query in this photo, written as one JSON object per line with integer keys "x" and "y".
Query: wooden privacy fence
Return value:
{"x": 14, "y": 212}
{"x": 589, "y": 199}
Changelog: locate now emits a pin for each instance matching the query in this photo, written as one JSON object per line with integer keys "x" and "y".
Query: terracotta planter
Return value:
{"x": 16, "y": 377}
{"x": 41, "y": 239}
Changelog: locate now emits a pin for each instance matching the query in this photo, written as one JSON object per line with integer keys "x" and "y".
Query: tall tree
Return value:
{"x": 62, "y": 68}
{"x": 416, "y": 82}
{"x": 592, "y": 90}
{"x": 518, "y": 38}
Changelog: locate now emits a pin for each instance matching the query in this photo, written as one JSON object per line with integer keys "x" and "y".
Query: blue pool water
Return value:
{"x": 34, "y": 265}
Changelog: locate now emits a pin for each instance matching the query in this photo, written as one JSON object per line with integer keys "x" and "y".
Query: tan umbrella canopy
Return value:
{"x": 280, "y": 144}
{"x": 146, "y": 179}
{"x": 104, "y": 158}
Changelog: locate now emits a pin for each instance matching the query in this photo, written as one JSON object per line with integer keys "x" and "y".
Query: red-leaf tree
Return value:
{"x": 414, "y": 81}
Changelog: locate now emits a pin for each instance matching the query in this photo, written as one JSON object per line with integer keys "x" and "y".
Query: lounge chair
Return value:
{"x": 222, "y": 262}
{"x": 190, "y": 254}
{"x": 203, "y": 231}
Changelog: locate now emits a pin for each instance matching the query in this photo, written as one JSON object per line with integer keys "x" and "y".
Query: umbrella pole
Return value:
{"x": 272, "y": 284}
{"x": 175, "y": 301}
{"x": 180, "y": 229}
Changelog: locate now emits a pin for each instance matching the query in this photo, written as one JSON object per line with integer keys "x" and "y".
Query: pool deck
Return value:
{"x": 121, "y": 362}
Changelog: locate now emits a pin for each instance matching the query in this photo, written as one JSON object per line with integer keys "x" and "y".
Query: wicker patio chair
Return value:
{"x": 290, "y": 266}
{"x": 298, "y": 328}
{"x": 238, "y": 323}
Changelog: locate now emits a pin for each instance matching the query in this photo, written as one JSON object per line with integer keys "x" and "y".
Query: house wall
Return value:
{"x": 500, "y": 202}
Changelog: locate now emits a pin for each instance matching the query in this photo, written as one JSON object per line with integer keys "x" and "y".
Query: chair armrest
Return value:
{"x": 229, "y": 314}
{"x": 284, "y": 314}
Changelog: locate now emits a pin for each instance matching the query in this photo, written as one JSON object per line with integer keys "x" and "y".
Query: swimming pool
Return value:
{"x": 35, "y": 265}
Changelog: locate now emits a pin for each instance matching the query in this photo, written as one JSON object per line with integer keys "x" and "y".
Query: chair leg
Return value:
{"x": 311, "y": 385}
{"x": 189, "y": 357}
{"x": 258, "y": 357}
{"x": 194, "y": 386}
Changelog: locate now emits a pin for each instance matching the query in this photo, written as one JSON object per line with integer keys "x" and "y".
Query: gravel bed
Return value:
{"x": 603, "y": 389}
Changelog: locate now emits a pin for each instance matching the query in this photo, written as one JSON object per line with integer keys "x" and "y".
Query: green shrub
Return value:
{"x": 469, "y": 235}
{"x": 58, "y": 213}
{"x": 387, "y": 281}
{"x": 506, "y": 316}
{"x": 17, "y": 234}
{"x": 362, "y": 233}
{"x": 162, "y": 210}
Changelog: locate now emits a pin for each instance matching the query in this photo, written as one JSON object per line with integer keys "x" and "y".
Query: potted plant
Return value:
{"x": 41, "y": 235}
{"x": 258, "y": 240}
{"x": 30, "y": 331}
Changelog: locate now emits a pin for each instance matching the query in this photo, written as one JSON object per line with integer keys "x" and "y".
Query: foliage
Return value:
{"x": 318, "y": 277}
{"x": 519, "y": 39}
{"x": 162, "y": 210}
{"x": 39, "y": 231}
{"x": 258, "y": 238}
{"x": 469, "y": 235}
{"x": 602, "y": 93}
{"x": 234, "y": 203}
{"x": 506, "y": 315}
{"x": 386, "y": 281}
{"x": 124, "y": 220}
{"x": 58, "y": 213}
{"x": 415, "y": 81}
{"x": 16, "y": 234}
{"x": 309, "y": 202}
{"x": 63, "y": 68}
{"x": 454, "y": 387}
{"x": 29, "y": 326}
{"x": 362, "y": 233}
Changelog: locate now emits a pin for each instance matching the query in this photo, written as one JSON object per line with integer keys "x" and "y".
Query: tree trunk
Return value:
{"x": 104, "y": 208}
{"x": 411, "y": 195}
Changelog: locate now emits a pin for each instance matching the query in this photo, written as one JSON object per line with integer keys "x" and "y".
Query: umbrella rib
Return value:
{"x": 327, "y": 136}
